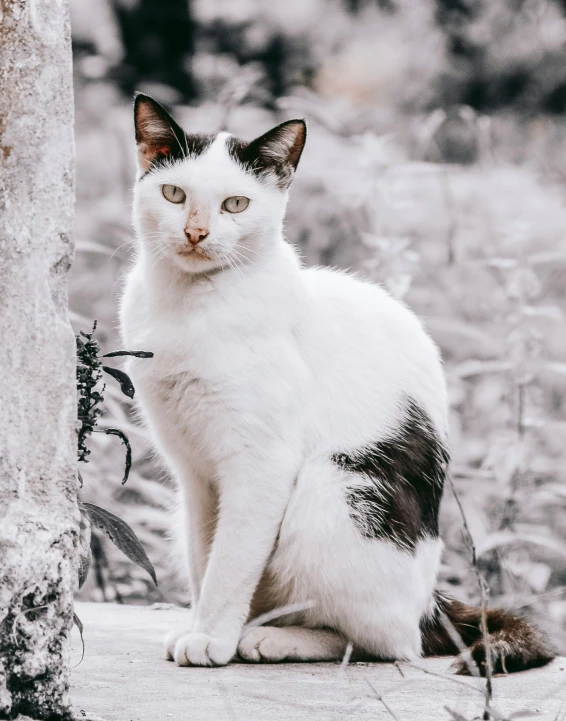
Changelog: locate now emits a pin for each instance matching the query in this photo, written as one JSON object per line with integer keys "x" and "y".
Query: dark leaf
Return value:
{"x": 126, "y": 385}
{"x": 121, "y": 536}
{"x": 84, "y": 545}
{"x": 124, "y": 438}
{"x": 79, "y": 624}
{"x": 84, "y": 566}
{"x": 89, "y": 335}
{"x": 135, "y": 353}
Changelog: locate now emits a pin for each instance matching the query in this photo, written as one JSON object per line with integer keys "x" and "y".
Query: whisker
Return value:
{"x": 127, "y": 242}
{"x": 234, "y": 266}
{"x": 251, "y": 250}
{"x": 241, "y": 255}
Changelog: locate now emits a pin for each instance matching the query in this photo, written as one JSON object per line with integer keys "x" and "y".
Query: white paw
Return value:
{"x": 175, "y": 634}
{"x": 170, "y": 642}
{"x": 264, "y": 644}
{"x": 200, "y": 649}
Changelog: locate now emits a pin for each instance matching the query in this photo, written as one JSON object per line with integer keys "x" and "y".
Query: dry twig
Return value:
{"x": 484, "y": 594}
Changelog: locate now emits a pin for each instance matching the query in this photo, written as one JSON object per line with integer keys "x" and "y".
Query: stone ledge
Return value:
{"x": 124, "y": 678}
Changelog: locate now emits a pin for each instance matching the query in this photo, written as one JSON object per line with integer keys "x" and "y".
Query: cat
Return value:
{"x": 303, "y": 414}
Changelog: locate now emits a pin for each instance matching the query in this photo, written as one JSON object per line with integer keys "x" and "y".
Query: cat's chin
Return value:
{"x": 195, "y": 262}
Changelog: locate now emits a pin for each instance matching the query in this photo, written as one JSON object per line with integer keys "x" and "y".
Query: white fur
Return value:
{"x": 262, "y": 371}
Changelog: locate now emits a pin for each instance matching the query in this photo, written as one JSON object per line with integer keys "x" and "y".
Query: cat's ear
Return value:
{"x": 276, "y": 154}
{"x": 157, "y": 135}
{"x": 282, "y": 144}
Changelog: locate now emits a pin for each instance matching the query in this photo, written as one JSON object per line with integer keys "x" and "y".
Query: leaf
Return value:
{"x": 124, "y": 438}
{"x": 556, "y": 366}
{"x": 471, "y": 367}
{"x": 500, "y": 262}
{"x": 550, "y": 312}
{"x": 126, "y": 385}
{"x": 135, "y": 353}
{"x": 506, "y": 538}
{"x": 547, "y": 257}
{"x": 84, "y": 545}
{"x": 89, "y": 246}
{"x": 121, "y": 536}
{"x": 79, "y": 624}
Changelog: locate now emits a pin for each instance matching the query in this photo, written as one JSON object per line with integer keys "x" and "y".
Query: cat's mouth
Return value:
{"x": 194, "y": 253}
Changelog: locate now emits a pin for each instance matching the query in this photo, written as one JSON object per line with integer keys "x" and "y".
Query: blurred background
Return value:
{"x": 435, "y": 165}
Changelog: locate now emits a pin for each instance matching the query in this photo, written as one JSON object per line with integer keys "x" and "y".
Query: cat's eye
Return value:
{"x": 236, "y": 203}
{"x": 173, "y": 194}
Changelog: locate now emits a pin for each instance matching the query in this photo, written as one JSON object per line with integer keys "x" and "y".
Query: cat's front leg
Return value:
{"x": 252, "y": 500}
{"x": 199, "y": 509}
{"x": 196, "y": 520}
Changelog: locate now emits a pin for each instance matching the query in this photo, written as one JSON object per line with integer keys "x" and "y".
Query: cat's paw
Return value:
{"x": 200, "y": 649}
{"x": 264, "y": 644}
{"x": 170, "y": 641}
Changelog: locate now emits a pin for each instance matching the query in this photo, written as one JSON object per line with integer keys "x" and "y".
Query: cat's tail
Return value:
{"x": 514, "y": 644}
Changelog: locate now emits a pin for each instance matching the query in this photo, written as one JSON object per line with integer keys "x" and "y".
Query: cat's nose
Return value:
{"x": 196, "y": 235}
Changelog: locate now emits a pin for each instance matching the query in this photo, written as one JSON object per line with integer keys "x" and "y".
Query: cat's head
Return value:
{"x": 210, "y": 201}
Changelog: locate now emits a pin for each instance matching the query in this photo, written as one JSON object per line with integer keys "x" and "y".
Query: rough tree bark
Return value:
{"x": 38, "y": 509}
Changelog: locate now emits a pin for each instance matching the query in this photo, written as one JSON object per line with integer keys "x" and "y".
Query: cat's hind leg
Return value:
{"x": 270, "y": 644}
{"x": 373, "y": 592}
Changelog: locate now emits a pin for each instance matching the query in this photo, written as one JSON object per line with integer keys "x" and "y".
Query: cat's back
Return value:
{"x": 360, "y": 311}
{"x": 374, "y": 350}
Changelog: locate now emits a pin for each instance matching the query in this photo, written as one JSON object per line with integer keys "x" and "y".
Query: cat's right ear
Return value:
{"x": 157, "y": 135}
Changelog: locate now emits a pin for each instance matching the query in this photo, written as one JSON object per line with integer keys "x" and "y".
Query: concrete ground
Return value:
{"x": 123, "y": 677}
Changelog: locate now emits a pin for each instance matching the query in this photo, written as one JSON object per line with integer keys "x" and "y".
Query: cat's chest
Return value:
{"x": 189, "y": 403}
{"x": 188, "y": 408}
{"x": 188, "y": 378}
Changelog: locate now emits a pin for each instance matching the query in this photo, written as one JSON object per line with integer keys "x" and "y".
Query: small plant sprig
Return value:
{"x": 90, "y": 396}
{"x": 89, "y": 375}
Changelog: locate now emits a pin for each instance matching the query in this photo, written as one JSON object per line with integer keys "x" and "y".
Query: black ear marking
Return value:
{"x": 157, "y": 135}
{"x": 284, "y": 143}
{"x": 159, "y": 138}
{"x": 275, "y": 154}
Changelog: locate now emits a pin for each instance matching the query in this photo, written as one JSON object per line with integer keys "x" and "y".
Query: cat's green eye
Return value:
{"x": 236, "y": 203}
{"x": 173, "y": 194}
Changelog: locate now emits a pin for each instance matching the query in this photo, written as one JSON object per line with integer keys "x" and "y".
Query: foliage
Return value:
{"x": 90, "y": 396}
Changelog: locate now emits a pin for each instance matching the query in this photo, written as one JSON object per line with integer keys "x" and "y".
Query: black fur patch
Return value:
{"x": 261, "y": 156}
{"x": 188, "y": 146}
{"x": 163, "y": 139}
{"x": 258, "y": 165}
{"x": 398, "y": 491}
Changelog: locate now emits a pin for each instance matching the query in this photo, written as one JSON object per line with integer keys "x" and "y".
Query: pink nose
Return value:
{"x": 196, "y": 235}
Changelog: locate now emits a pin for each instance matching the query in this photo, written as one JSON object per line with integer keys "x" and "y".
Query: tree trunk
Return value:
{"x": 39, "y": 518}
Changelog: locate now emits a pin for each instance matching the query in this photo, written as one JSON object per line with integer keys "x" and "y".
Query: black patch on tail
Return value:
{"x": 402, "y": 482}
{"x": 515, "y": 645}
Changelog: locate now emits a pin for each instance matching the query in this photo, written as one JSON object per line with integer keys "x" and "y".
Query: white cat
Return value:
{"x": 303, "y": 413}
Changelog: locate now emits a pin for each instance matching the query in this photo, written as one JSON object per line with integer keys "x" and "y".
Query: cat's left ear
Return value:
{"x": 276, "y": 153}
{"x": 157, "y": 135}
